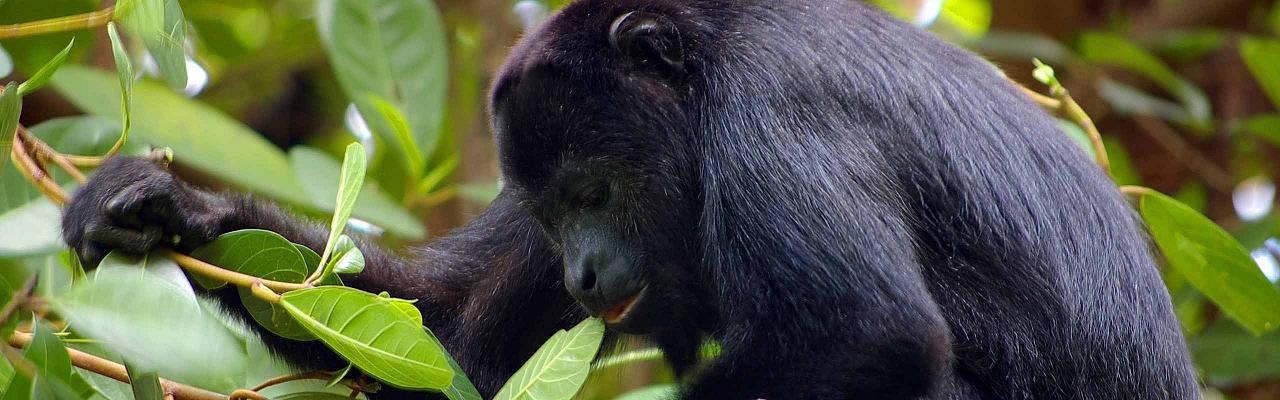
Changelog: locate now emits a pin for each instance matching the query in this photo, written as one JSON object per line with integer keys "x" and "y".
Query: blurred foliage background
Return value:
{"x": 1186, "y": 94}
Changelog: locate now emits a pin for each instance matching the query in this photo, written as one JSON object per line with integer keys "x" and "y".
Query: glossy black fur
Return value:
{"x": 853, "y": 208}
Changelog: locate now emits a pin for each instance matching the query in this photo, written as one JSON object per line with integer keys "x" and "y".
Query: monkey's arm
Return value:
{"x": 491, "y": 278}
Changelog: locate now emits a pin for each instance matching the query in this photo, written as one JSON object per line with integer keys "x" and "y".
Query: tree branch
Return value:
{"x": 116, "y": 371}
{"x": 60, "y": 24}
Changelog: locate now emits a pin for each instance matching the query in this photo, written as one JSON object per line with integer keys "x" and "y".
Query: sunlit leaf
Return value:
{"x": 1213, "y": 262}
{"x": 373, "y": 334}
{"x": 148, "y": 322}
{"x": 395, "y": 50}
{"x": 558, "y": 369}
{"x": 1262, "y": 56}
{"x": 202, "y": 137}
{"x": 353, "y": 169}
{"x": 316, "y": 171}
{"x": 38, "y": 79}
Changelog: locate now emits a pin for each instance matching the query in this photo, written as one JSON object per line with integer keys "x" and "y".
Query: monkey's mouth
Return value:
{"x": 621, "y": 311}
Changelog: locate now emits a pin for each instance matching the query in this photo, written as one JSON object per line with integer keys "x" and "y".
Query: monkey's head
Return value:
{"x": 593, "y": 128}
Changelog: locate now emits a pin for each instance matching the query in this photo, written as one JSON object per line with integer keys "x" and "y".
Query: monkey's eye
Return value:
{"x": 593, "y": 196}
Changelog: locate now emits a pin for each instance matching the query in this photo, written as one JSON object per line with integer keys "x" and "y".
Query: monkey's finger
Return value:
{"x": 124, "y": 206}
{"x": 129, "y": 240}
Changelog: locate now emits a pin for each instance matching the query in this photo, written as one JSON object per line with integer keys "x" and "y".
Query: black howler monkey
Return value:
{"x": 851, "y": 207}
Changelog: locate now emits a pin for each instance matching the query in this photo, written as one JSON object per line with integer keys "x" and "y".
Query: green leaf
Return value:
{"x": 124, "y": 71}
{"x": 655, "y": 392}
{"x": 162, "y": 28}
{"x": 1117, "y": 51}
{"x": 164, "y": 269}
{"x": 337, "y": 377}
{"x": 1265, "y": 126}
{"x": 39, "y": 78}
{"x": 395, "y": 50}
{"x": 403, "y": 134}
{"x": 353, "y": 167}
{"x": 148, "y": 322}
{"x": 145, "y": 385}
{"x": 10, "y": 110}
{"x": 55, "y": 371}
{"x": 1190, "y": 44}
{"x": 1213, "y": 262}
{"x": 461, "y": 388}
{"x": 559, "y": 368}
{"x": 32, "y": 229}
{"x": 201, "y": 137}
{"x": 316, "y": 170}
{"x": 1226, "y": 354}
{"x": 373, "y": 334}
{"x": 1262, "y": 56}
{"x": 347, "y": 258}
{"x": 266, "y": 255}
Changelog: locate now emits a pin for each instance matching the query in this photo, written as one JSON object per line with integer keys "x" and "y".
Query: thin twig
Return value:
{"x": 35, "y": 173}
{"x": 60, "y": 24}
{"x": 246, "y": 394}
{"x": 317, "y": 375}
{"x": 19, "y": 297}
{"x": 193, "y": 264}
{"x": 46, "y": 153}
{"x": 1047, "y": 102}
{"x": 116, "y": 371}
{"x": 1076, "y": 114}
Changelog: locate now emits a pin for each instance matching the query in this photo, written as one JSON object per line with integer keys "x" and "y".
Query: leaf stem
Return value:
{"x": 261, "y": 291}
{"x": 116, "y": 371}
{"x": 194, "y": 265}
{"x": 1064, "y": 105}
{"x": 1136, "y": 190}
{"x": 60, "y": 24}
{"x": 316, "y": 375}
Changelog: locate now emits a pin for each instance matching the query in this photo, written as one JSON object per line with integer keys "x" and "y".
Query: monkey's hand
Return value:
{"x": 134, "y": 205}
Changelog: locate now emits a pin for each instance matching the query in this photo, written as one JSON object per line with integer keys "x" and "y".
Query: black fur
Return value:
{"x": 853, "y": 208}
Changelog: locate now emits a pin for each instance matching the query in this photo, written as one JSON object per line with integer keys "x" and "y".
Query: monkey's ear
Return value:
{"x": 648, "y": 39}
